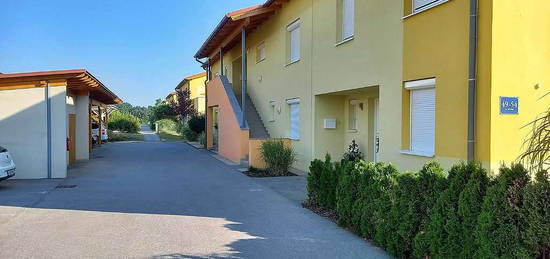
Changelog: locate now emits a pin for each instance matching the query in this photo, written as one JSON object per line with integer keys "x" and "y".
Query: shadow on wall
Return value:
{"x": 23, "y": 130}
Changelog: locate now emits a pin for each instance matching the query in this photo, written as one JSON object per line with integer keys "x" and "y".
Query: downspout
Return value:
{"x": 221, "y": 61}
{"x": 206, "y": 67}
{"x": 49, "y": 130}
{"x": 472, "y": 79}
{"x": 243, "y": 75}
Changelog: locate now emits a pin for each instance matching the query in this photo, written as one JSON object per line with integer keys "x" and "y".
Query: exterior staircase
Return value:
{"x": 255, "y": 124}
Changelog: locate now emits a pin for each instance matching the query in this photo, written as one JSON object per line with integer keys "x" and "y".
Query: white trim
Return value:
{"x": 293, "y": 25}
{"x": 420, "y": 84}
{"x": 425, "y": 8}
{"x": 344, "y": 41}
{"x": 417, "y": 153}
{"x": 293, "y": 100}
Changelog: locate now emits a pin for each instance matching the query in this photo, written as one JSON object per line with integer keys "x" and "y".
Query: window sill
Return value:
{"x": 294, "y": 139}
{"x": 425, "y": 9}
{"x": 293, "y": 62}
{"x": 260, "y": 61}
{"x": 352, "y": 131}
{"x": 417, "y": 153}
{"x": 344, "y": 41}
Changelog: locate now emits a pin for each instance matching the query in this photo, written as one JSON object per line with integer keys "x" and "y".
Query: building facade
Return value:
{"x": 391, "y": 75}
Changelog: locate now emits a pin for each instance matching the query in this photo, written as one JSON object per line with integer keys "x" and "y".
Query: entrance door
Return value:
{"x": 72, "y": 138}
{"x": 376, "y": 130}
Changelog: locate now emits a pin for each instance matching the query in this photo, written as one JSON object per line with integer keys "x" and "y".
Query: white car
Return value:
{"x": 7, "y": 166}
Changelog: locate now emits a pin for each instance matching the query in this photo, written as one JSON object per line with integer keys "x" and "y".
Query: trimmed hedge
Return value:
{"x": 124, "y": 122}
{"x": 434, "y": 214}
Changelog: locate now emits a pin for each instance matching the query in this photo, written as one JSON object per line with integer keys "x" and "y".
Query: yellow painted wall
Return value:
{"x": 435, "y": 44}
{"x": 198, "y": 91}
{"x": 274, "y": 80}
{"x": 520, "y": 67}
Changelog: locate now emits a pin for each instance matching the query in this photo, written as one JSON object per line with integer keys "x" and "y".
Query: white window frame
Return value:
{"x": 294, "y": 134}
{"x": 273, "y": 107}
{"x": 260, "y": 52}
{"x": 353, "y": 106}
{"x": 294, "y": 50}
{"x": 347, "y": 17}
{"x": 414, "y": 86}
{"x": 426, "y": 6}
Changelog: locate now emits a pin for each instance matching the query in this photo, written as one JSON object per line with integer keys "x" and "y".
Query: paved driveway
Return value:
{"x": 166, "y": 200}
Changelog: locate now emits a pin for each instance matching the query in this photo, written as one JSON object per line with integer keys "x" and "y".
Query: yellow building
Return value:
{"x": 391, "y": 75}
{"x": 195, "y": 84}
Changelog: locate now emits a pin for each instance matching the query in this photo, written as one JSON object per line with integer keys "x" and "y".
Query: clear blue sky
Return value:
{"x": 140, "y": 49}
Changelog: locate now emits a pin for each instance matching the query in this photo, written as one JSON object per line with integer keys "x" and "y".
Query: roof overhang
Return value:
{"x": 77, "y": 80}
{"x": 228, "y": 31}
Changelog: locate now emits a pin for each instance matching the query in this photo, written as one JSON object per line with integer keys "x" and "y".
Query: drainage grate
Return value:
{"x": 65, "y": 186}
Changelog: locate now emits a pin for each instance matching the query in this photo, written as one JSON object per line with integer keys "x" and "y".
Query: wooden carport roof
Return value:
{"x": 227, "y": 33}
{"x": 78, "y": 80}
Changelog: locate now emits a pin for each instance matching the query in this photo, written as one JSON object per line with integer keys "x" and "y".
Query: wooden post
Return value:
{"x": 107, "y": 122}
{"x": 90, "y": 137}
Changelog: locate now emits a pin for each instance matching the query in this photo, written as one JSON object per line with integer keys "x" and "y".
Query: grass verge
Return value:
{"x": 122, "y": 136}
{"x": 169, "y": 136}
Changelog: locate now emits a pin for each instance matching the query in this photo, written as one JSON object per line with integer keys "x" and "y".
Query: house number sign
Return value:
{"x": 509, "y": 105}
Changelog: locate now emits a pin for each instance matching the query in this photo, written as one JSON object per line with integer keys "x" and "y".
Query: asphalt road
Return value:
{"x": 163, "y": 200}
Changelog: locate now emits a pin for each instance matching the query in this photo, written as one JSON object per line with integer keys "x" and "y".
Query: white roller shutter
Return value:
{"x": 294, "y": 105}
{"x": 294, "y": 30}
{"x": 348, "y": 18}
{"x": 423, "y": 120}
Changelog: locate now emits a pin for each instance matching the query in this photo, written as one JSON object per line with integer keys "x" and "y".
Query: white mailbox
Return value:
{"x": 330, "y": 124}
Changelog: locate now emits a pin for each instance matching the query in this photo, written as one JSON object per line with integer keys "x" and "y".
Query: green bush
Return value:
{"x": 167, "y": 125}
{"x": 536, "y": 212}
{"x": 188, "y": 134}
{"x": 197, "y": 123}
{"x": 415, "y": 195}
{"x": 500, "y": 223}
{"x": 316, "y": 169}
{"x": 346, "y": 193}
{"x": 124, "y": 122}
{"x": 278, "y": 157}
{"x": 453, "y": 217}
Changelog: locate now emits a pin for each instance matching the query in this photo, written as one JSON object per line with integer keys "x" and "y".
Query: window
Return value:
{"x": 294, "y": 106}
{"x": 294, "y": 41}
{"x": 419, "y": 5}
{"x": 348, "y": 19}
{"x": 422, "y": 116}
{"x": 352, "y": 115}
{"x": 260, "y": 52}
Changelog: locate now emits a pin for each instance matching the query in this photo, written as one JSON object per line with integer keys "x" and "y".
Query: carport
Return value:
{"x": 45, "y": 119}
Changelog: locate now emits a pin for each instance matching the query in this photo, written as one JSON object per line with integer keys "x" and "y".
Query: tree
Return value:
{"x": 183, "y": 106}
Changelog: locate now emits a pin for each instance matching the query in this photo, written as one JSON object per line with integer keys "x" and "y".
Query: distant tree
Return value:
{"x": 161, "y": 111}
{"x": 183, "y": 106}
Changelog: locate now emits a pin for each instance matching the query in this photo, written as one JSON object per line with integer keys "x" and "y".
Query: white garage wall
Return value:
{"x": 58, "y": 97}
{"x": 23, "y": 130}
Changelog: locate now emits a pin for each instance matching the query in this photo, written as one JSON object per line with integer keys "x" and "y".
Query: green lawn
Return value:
{"x": 122, "y": 136}
{"x": 168, "y": 135}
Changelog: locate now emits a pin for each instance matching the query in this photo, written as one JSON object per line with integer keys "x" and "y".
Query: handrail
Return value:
{"x": 233, "y": 100}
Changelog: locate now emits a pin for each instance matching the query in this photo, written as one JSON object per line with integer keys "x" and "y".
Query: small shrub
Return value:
{"x": 202, "y": 139}
{"x": 124, "y": 122}
{"x": 278, "y": 157}
{"x": 346, "y": 193}
{"x": 500, "y": 223}
{"x": 536, "y": 212}
{"x": 316, "y": 170}
{"x": 353, "y": 153}
{"x": 196, "y": 123}
{"x": 186, "y": 132}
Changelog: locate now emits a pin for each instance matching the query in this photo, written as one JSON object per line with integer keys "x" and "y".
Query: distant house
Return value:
{"x": 195, "y": 84}
{"x": 45, "y": 119}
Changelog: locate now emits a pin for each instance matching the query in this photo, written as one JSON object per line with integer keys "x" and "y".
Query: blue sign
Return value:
{"x": 509, "y": 105}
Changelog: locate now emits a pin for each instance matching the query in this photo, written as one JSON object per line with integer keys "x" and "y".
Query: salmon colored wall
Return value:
{"x": 232, "y": 140}
{"x": 255, "y": 157}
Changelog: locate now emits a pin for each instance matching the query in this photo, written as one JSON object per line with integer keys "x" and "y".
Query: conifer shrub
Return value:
{"x": 415, "y": 196}
{"x": 536, "y": 212}
{"x": 346, "y": 193}
{"x": 500, "y": 224}
{"x": 323, "y": 182}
